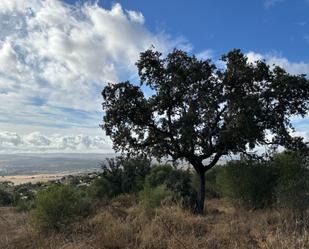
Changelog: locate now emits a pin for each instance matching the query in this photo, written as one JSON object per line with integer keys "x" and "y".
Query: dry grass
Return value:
{"x": 12, "y": 226}
{"x": 123, "y": 225}
{"x": 21, "y": 179}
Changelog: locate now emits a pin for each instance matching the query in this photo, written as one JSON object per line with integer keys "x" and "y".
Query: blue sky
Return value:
{"x": 56, "y": 56}
{"x": 276, "y": 26}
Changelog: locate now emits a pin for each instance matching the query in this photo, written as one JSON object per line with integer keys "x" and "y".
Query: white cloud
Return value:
{"x": 36, "y": 142}
{"x": 56, "y": 58}
{"x": 205, "y": 54}
{"x": 291, "y": 67}
{"x": 69, "y": 52}
{"x": 271, "y": 3}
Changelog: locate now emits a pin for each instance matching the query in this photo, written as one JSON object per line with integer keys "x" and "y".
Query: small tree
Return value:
{"x": 199, "y": 113}
{"x": 122, "y": 175}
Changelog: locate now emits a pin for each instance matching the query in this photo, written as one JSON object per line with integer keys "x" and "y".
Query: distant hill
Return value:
{"x": 27, "y": 164}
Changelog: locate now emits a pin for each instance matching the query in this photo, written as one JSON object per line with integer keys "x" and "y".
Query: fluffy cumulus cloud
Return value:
{"x": 271, "y": 59}
{"x": 11, "y": 142}
{"x": 55, "y": 59}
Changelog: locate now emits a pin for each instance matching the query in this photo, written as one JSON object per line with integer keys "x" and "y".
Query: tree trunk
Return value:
{"x": 201, "y": 194}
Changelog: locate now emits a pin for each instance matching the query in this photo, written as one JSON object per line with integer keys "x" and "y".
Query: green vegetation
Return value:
{"x": 5, "y": 198}
{"x": 57, "y": 206}
{"x": 292, "y": 190}
{"x": 177, "y": 181}
{"x": 151, "y": 198}
{"x": 124, "y": 175}
{"x": 250, "y": 183}
{"x": 282, "y": 183}
{"x": 199, "y": 113}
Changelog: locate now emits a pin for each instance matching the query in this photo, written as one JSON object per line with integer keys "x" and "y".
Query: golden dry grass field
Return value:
{"x": 122, "y": 224}
{"x": 21, "y": 179}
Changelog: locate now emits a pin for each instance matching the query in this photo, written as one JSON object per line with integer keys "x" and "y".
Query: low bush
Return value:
{"x": 293, "y": 194}
{"x": 6, "y": 198}
{"x": 101, "y": 188}
{"x": 283, "y": 181}
{"x": 134, "y": 173}
{"x": 292, "y": 190}
{"x": 158, "y": 175}
{"x": 24, "y": 205}
{"x": 177, "y": 181}
{"x": 180, "y": 184}
{"x": 151, "y": 198}
{"x": 121, "y": 175}
{"x": 57, "y": 206}
{"x": 248, "y": 183}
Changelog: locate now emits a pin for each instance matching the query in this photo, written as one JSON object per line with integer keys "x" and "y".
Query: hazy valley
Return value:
{"x": 30, "y": 164}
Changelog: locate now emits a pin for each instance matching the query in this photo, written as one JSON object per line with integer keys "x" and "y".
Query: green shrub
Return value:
{"x": 293, "y": 194}
{"x": 283, "y": 181}
{"x": 101, "y": 188}
{"x": 124, "y": 175}
{"x": 133, "y": 174}
{"x": 178, "y": 182}
{"x": 25, "y": 205}
{"x": 57, "y": 206}
{"x": 151, "y": 198}
{"x": 248, "y": 183}
{"x": 292, "y": 190}
{"x": 25, "y": 192}
{"x": 158, "y": 175}
{"x": 6, "y": 198}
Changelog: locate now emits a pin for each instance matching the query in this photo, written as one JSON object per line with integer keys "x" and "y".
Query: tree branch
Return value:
{"x": 213, "y": 162}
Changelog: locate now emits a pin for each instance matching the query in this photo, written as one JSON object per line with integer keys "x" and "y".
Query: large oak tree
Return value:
{"x": 196, "y": 112}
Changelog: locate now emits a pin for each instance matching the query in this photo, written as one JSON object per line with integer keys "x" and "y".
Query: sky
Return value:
{"x": 57, "y": 56}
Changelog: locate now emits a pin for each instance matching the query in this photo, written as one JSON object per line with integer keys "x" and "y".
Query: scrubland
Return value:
{"x": 123, "y": 224}
{"x": 132, "y": 204}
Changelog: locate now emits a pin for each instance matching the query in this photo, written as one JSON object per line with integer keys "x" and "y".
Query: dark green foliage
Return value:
{"x": 101, "y": 188}
{"x": 293, "y": 193}
{"x": 283, "y": 181}
{"x": 199, "y": 112}
{"x": 248, "y": 183}
{"x": 159, "y": 175}
{"x": 134, "y": 173}
{"x": 112, "y": 173}
{"x": 26, "y": 191}
{"x": 212, "y": 188}
{"x": 292, "y": 190}
{"x": 6, "y": 198}
{"x": 178, "y": 182}
{"x": 24, "y": 205}
{"x": 24, "y": 195}
{"x": 151, "y": 198}
{"x": 121, "y": 175}
{"x": 57, "y": 206}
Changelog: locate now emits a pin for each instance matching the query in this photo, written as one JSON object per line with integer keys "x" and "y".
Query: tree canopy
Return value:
{"x": 196, "y": 111}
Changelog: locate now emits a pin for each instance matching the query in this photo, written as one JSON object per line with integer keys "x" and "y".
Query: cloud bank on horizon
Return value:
{"x": 54, "y": 61}
{"x": 35, "y": 141}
